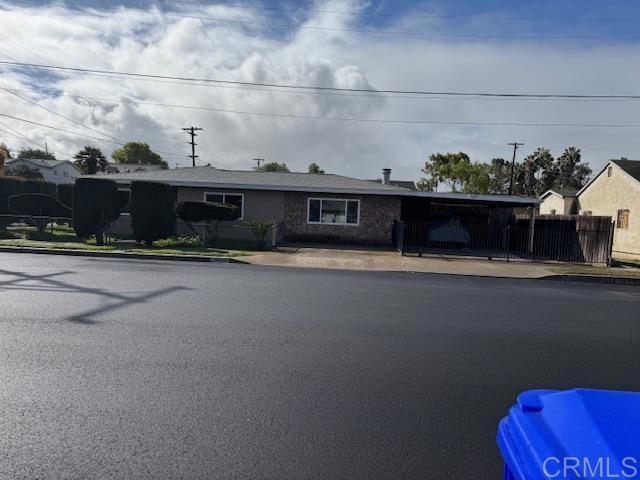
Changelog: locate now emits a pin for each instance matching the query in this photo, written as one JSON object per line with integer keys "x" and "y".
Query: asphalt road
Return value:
{"x": 115, "y": 369}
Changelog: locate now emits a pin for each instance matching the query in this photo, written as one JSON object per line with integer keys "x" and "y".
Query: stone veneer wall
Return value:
{"x": 377, "y": 213}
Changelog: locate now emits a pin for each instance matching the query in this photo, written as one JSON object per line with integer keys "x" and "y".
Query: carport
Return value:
{"x": 466, "y": 224}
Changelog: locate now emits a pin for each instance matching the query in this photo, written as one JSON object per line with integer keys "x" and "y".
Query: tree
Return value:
{"x": 95, "y": 206}
{"x": 151, "y": 208}
{"x": 499, "y": 176}
{"x": 89, "y": 160}
{"x": 570, "y": 173}
{"x": 208, "y": 212}
{"x": 139, "y": 153}
{"x": 314, "y": 168}
{"x": 5, "y": 153}
{"x": 24, "y": 171}
{"x": 456, "y": 171}
{"x": 36, "y": 153}
{"x": 274, "y": 167}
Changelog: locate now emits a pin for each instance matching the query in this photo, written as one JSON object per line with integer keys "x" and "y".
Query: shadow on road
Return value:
{"x": 50, "y": 282}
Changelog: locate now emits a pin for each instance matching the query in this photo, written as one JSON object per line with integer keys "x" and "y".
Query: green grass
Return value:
{"x": 63, "y": 238}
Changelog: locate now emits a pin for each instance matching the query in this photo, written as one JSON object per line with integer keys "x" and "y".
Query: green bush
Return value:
{"x": 38, "y": 186}
{"x": 260, "y": 229}
{"x": 95, "y": 206}
{"x": 181, "y": 241}
{"x": 208, "y": 212}
{"x": 151, "y": 208}
{"x": 65, "y": 194}
{"x": 191, "y": 212}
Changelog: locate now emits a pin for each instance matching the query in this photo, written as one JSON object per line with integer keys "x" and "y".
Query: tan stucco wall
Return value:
{"x": 552, "y": 202}
{"x": 605, "y": 196}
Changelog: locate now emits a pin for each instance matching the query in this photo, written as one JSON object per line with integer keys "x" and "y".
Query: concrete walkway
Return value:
{"x": 391, "y": 261}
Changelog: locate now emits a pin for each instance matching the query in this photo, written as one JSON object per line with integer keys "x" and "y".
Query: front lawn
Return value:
{"x": 596, "y": 271}
{"x": 63, "y": 238}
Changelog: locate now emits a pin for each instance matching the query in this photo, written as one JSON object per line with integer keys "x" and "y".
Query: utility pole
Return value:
{"x": 513, "y": 163}
{"x": 192, "y": 131}
{"x": 258, "y": 161}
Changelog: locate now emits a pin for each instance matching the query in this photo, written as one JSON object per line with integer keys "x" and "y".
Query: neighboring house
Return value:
{"x": 559, "y": 202}
{"x": 311, "y": 207}
{"x": 615, "y": 192}
{"x": 56, "y": 171}
{"x": 113, "y": 167}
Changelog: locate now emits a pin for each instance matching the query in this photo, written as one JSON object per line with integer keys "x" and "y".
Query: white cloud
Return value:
{"x": 131, "y": 40}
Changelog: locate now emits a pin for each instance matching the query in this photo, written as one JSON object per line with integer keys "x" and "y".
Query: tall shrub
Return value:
{"x": 151, "y": 209}
{"x": 38, "y": 186}
{"x": 95, "y": 206}
{"x": 8, "y": 186}
{"x": 65, "y": 194}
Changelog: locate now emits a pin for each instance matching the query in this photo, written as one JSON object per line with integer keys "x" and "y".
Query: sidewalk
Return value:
{"x": 391, "y": 261}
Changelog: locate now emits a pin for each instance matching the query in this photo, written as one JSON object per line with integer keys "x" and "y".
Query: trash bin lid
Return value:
{"x": 579, "y": 433}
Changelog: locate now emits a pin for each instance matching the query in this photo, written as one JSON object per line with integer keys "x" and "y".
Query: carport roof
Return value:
{"x": 471, "y": 197}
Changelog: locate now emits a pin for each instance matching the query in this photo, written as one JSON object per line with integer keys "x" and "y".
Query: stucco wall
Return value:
{"x": 377, "y": 214}
{"x": 605, "y": 196}
{"x": 552, "y": 202}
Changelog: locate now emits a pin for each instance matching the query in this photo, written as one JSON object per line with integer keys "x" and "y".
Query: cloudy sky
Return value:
{"x": 505, "y": 46}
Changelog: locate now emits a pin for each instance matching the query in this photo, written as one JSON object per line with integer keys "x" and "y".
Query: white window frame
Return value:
{"x": 224, "y": 197}
{"x": 127, "y": 189}
{"x": 343, "y": 224}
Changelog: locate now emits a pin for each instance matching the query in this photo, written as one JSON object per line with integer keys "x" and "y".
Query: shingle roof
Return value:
{"x": 37, "y": 162}
{"x": 207, "y": 176}
{"x": 410, "y": 184}
{"x": 632, "y": 167}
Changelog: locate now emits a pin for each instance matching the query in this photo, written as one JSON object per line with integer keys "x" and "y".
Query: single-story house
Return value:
{"x": 56, "y": 171}
{"x": 312, "y": 207}
{"x": 615, "y": 192}
{"x": 559, "y": 202}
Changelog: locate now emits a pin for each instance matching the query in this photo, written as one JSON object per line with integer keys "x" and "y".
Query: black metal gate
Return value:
{"x": 558, "y": 238}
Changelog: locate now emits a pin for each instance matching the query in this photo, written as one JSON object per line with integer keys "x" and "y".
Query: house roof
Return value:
{"x": 114, "y": 167}
{"x": 37, "y": 162}
{"x": 632, "y": 167}
{"x": 569, "y": 192}
{"x": 410, "y": 184}
{"x": 211, "y": 177}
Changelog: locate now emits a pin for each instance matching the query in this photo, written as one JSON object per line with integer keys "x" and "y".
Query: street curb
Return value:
{"x": 603, "y": 279}
{"x": 107, "y": 254}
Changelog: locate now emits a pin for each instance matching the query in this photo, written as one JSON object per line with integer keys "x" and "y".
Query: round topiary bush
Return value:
{"x": 209, "y": 213}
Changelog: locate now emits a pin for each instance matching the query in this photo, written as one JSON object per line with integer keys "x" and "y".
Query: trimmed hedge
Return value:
{"x": 151, "y": 208}
{"x": 207, "y": 212}
{"x": 65, "y": 194}
{"x": 14, "y": 186}
{"x": 95, "y": 206}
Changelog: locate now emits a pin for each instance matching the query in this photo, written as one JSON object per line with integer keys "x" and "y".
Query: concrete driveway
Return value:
{"x": 386, "y": 260}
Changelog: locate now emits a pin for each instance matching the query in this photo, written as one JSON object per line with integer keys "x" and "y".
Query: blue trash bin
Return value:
{"x": 572, "y": 434}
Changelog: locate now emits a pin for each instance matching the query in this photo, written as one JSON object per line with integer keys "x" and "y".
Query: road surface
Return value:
{"x": 116, "y": 369}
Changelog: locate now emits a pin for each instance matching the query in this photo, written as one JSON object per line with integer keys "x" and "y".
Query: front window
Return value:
{"x": 236, "y": 199}
{"x": 333, "y": 211}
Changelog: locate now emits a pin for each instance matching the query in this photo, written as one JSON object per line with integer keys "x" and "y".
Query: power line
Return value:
{"x": 19, "y": 135}
{"x": 320, "y": 88}
{"x": 58, "y": 114}
{"x": 77, "y": 134}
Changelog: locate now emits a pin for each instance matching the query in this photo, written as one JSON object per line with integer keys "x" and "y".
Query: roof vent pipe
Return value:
{"x": 386, "y": 176}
